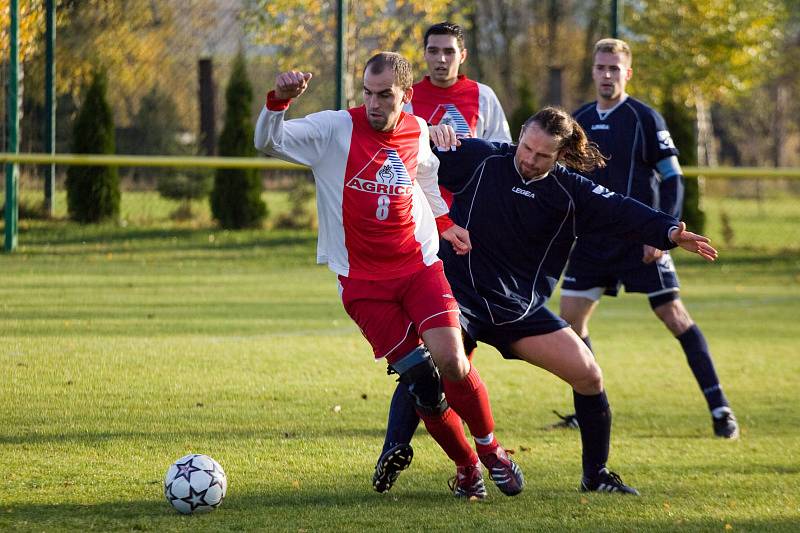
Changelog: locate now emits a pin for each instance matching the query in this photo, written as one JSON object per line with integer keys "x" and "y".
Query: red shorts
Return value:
{"x": 393, "y": 313}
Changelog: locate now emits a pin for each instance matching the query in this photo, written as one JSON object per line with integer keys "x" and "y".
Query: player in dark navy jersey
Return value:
{"x": 524, "y": 210}
{"x": 642, "y": 164}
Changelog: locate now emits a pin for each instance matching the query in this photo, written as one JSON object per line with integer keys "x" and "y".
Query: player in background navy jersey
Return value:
{"x": 642, "y": 164}
{"x": 524, "y": 210}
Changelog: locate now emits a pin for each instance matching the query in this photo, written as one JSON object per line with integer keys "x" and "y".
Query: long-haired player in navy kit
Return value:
{"x": 524, "y": 211}
{"x": 642, "y": 164}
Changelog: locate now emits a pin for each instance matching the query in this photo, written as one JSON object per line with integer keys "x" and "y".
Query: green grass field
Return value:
{"x": 124, "y": 348}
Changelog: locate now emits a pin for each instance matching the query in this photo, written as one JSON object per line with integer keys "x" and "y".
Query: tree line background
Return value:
{"x": 723, "y": 72}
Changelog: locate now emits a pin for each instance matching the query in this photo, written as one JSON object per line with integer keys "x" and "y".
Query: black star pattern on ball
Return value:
{"x": 185, "y": 470}
{"x": 216, "y": 475}
{"x": 195, "y": 499}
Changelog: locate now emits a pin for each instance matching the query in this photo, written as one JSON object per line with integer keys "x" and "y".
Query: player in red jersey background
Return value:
{"x": 443, "y": 96}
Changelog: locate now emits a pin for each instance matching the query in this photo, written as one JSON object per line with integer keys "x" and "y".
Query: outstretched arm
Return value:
{"x": 303, "y": 140}
{"x": 693, "y": 242}
{"x": 601, "y": 212}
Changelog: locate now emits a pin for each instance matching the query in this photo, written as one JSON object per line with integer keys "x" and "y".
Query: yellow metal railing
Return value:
{"x": 743, "y": 172}
{"x": 149, "y": 161}
{"x": 275, "y": 164}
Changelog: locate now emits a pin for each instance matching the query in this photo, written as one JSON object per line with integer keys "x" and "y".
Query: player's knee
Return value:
{"x": 447, "y": 351}
{"x": 590, "y": 381}
{"x": 420, "y": 374}
{"x": 454, "y": 368}
{"x": 679, "y": 326}
{"x": 674, "y": 316}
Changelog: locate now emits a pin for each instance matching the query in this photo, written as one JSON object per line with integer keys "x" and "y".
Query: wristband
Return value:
{"x": 277, "y": 104}
{"x": 444, "y": 223}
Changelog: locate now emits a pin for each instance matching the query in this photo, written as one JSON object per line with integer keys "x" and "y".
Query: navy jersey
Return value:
{"x": 635, "y": 138}
{"x": 522, "y": 231}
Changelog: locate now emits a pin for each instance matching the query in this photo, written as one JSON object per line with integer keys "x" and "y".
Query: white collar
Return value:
{"x": 603, "y": 113}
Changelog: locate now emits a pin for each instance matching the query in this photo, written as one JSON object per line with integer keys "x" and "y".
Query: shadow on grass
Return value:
{"x": 268, "y": 434}
{"x": 293, "y": 509}
{"x": 335, "y": 509}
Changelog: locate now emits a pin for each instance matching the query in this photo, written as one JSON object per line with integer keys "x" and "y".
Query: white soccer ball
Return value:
{"x": 195, "y": 483}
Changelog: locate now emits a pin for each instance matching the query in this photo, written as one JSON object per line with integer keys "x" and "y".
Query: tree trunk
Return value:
{"x": 554, "y": 85}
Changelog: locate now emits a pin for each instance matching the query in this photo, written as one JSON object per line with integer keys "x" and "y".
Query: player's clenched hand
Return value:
{"x": 443, "y": 137}
{"x": 650, "y": 254}
{"x": 459, "y": 238}
{"x": 692, "y": 242}
{"x": 291, "y": 84}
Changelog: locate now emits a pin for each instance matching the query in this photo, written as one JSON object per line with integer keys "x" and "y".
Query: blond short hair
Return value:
{"x": 613, "y": 46}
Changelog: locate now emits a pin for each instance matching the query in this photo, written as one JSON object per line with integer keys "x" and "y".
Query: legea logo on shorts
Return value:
{"x": 665, "y": 263}
{"x": 391, "y": 176}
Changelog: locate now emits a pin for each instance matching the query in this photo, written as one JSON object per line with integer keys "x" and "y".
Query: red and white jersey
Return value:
{"x": 377, "y": 193}
{"x": 471, "y": 108}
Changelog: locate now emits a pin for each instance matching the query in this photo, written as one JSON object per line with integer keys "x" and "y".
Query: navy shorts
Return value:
{"x": 477, "y": 325}
{"x": 654, "y": 279}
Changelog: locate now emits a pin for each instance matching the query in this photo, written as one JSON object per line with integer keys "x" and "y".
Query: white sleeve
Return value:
{"x": 427, "y": 173}
{"x": 302, "y": 140}
{"x": 495, "y": 125}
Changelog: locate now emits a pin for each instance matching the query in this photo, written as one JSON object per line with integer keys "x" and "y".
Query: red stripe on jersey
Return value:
{"x": 377, "y": 200}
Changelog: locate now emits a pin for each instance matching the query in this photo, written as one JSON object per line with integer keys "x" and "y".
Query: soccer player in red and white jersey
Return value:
{"x": 446, "y": 97}
{"x": 377, "y": 197}
{"x": 442, "y": 97}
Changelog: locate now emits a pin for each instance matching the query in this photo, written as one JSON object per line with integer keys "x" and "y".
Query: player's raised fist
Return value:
{"x": 291, "y": 84}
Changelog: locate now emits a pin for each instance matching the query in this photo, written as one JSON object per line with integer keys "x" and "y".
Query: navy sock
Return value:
{"x": 594, "y": 418}
{"x": 403, "y": 419}
{"x": 699, "y": 359}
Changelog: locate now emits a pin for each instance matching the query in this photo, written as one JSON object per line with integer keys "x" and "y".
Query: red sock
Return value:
{"x": 470, "y": 399}
{"x": 447, "y": 431}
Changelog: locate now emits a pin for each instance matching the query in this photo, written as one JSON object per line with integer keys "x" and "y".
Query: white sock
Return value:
{"x": 485, "y": 441}
{"x": 720, "y": 411}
